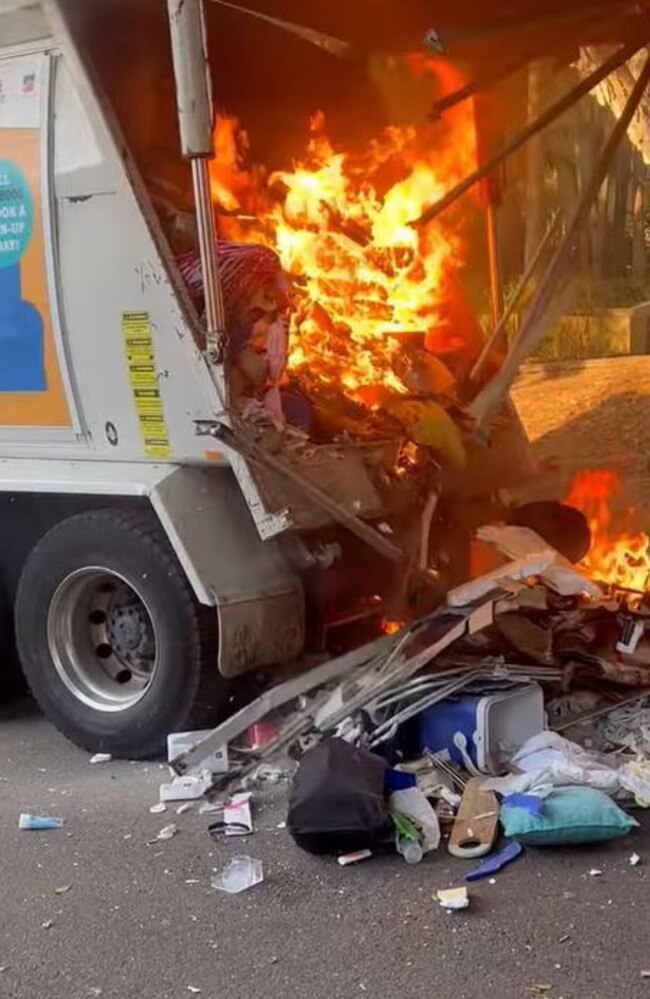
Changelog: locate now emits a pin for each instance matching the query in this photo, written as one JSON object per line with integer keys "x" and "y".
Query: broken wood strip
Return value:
{"x": 475, "y": 830}
{"x": 250, "y": 449}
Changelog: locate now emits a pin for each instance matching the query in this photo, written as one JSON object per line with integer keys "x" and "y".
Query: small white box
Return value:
{"x": 189, "y": 788}
{"x": 179, "y": 743}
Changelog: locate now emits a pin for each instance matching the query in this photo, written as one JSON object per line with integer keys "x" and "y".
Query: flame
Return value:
{"x": 339, "y": 219}
{"x": 617, "y": 558}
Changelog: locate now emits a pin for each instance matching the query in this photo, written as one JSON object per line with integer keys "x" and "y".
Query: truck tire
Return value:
{"x": 112, "y": 642}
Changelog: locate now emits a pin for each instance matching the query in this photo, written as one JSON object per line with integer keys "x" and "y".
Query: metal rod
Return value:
{"x": 539, "y": 124}
{"x": 494, "y": 262}
{"x": 207, "y": 230}
{"x": 590, "y": 716}
{"x": 516, "y": 298}
{"x": 532, "y": 329}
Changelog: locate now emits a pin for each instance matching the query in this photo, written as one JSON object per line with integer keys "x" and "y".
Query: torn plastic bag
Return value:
{"x": 561, "y": 762}
{"x": 337, "y": 802}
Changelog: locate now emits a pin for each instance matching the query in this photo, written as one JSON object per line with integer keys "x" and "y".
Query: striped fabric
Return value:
{"x": 242, "y": 266}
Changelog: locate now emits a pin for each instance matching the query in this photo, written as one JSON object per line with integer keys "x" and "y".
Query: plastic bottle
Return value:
{"x": 410, "y": 849}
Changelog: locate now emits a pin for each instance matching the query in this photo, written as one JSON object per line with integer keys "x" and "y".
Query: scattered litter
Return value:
{"x": 38, "y": 823}
{"x": 635, "y": 860}
{"x": 192, "y": 881}
{"x": 564, "y": 938}
{"x": 645, "y": 974}
{"x": 183, "y": 809}
{"x": 95, "y": 991}
{"x": 453, "y": 899}
{"x": 540, "y": 989}
{"x": 193, "y": 990}
{"x": 210, "y": 808}
{"x": 266, "y": 774}
{"x": 595, "y": 873}
{"x": 48, "y": 924}
{"x": 496, "y": 862}
{"x": 158, "y": 809}
{"x": 168, "y": 832}
{"x": 354, "y": 858}
{"x": 281, "y": 825}
{"x": 236, "y": 818}
{"x": 412, "y": 803}
{"x": 238, "y": 875}
{"x": 189, "y": 788}
{"x": 63, "y": 890}
{"x": 101, "y": 758}
{"x": 178, "y": 743}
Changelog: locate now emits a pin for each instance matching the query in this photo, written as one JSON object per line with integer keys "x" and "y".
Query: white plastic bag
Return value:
{"x": 564, "y": 763}
{"x": 412, "y": 803}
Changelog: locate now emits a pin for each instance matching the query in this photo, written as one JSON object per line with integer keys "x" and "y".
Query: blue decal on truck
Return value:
{"x": 22, "y": 363}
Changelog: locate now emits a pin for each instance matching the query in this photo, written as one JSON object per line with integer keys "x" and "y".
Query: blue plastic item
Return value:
{"x": 496, "y": 862}
{"x": 398, "y": 780}
{"x": 529, "y": 802}
{"x": 489, "y": 726}
{"x": 38, "y": 823}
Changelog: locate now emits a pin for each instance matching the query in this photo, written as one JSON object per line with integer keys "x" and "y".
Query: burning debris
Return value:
{"x": 376, "y": 317}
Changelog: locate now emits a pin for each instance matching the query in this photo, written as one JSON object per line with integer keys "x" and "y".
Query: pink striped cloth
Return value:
{"x": 242, "y": 266}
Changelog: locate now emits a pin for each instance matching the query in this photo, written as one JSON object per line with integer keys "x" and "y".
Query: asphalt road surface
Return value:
{"x": 140, "y": 920}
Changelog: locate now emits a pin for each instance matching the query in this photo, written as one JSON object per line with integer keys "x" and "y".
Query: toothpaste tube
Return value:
{"x": 33, "y": 822}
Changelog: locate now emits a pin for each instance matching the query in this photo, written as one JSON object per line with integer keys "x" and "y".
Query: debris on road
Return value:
{"x": 595, "y": 872}
{"x": 178, "y": 743}
{"x": 63, "y": 890}
{"x": 189, "y": 788}
{"x": 354, "y": 858}
{"x": 158, "y": 808}
{"x": 453, "y": 899}
{"x": 459, "y": 700}
{"x": 38, "y": 823}
{"x": 235, "y": 818}
{"x": 634, "y": 860}
{"x": 167, "y": 832}
{"x": 101, "y": 758}
{"x": 496, "y": 862}
{"x": 240, "y": 874}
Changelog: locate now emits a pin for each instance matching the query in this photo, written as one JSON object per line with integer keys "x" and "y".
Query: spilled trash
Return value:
{"x": 516, "y": 715}
{"x": 240, "y": 874}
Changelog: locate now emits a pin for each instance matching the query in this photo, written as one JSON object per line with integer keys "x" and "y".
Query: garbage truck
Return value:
{"x": 154, "y": 552}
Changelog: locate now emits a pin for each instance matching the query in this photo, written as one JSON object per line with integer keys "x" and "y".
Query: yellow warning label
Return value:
{"x": 143, "y": 379}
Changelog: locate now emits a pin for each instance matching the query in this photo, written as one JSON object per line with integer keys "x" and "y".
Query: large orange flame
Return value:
{"x": 339, "y": 220}
{"x": 618, "y": 558}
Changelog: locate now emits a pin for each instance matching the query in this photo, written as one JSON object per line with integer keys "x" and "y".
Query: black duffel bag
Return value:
{"x": 337, "y": 802}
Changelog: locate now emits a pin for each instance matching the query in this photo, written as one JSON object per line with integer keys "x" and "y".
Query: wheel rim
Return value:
{"x": 102, "y": 639}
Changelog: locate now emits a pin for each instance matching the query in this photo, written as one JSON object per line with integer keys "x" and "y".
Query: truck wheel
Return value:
{"x": 110, "y": 637}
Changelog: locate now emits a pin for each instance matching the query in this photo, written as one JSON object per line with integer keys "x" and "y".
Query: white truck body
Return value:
{"x": 118, "y": 380}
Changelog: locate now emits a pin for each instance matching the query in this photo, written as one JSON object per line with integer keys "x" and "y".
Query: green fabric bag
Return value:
{"x": 569, "y": 815}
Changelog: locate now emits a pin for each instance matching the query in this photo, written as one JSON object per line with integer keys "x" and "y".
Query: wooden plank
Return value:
{"x": 475, "y": 830}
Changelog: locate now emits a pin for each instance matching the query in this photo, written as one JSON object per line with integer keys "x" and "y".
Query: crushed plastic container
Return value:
{"x": 238, "y": 875}
{"x": 487, "y": 727}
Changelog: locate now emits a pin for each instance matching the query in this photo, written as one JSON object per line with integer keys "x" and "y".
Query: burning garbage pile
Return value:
{"x": 378, "y": 336}
{"x": 521, "y": 706}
